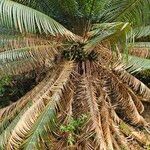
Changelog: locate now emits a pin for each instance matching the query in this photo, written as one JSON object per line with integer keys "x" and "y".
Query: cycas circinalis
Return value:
{"x": 88, "y": 99}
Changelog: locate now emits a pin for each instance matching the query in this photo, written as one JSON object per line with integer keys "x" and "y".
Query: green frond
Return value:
{"x": 111, "y": 32}
{"x": 45, "y": 120}
{"x": 52, "y": 6}
{"x": 25, "y": 19}
{"x": 70, "y": 12}
{"x": 142, "y": 63}
{"x": 133, "y": 11}
{"x": 142, "y": 31}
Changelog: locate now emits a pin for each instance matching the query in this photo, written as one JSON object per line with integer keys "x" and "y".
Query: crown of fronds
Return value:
{"x": 89, "y": 99}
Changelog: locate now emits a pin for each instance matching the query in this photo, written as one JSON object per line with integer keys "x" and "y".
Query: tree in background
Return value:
{"x": 88, "y": 99}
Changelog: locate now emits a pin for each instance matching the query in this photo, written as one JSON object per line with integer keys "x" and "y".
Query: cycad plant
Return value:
{"x": 88, "y": 100}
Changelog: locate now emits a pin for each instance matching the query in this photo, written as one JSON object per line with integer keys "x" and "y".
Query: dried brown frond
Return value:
{"x": 119, "y": 96}
{"x": 141, "y": 137}
{"x": 105, "y": 94}
{"x": 105, "y": 120}
{"x": 119, "y": 138}
{"x": 79, "y": 102}
{"x": 14, "y": 108}
{"x": 90, "y": 95}
{"x": 140, "y": 52}
{"x": 17, "y": 109}
{"x": 136, "y": 85}
{"x": 48, "y": 95}
{"x": 105, "y": 54}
